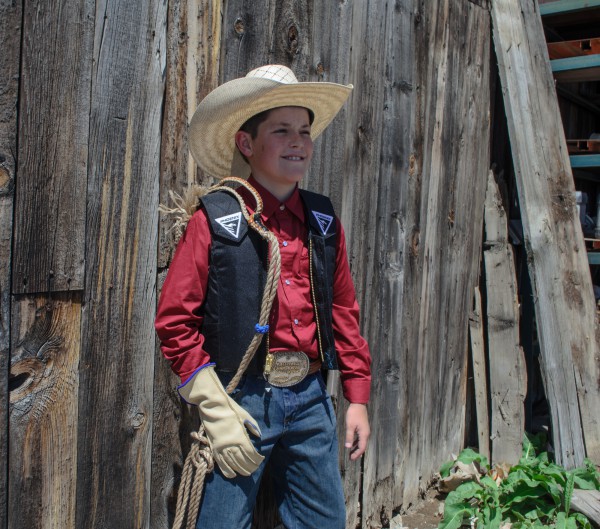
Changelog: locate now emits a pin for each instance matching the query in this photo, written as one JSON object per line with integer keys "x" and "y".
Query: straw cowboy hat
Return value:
{"x": 221, "y": 113}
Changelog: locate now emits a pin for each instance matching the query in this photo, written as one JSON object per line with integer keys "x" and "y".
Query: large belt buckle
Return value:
{"x": 286, "y": 368}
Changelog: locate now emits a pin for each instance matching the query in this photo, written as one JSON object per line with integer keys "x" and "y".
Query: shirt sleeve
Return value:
{"x": 354, "y": 357}
{"x": 179, "y": 318}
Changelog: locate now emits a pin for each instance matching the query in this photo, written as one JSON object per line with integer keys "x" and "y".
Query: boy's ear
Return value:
{"x": 243, "y": 142}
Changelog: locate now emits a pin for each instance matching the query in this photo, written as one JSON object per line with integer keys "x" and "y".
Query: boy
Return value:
{"x": 262, "y": 126}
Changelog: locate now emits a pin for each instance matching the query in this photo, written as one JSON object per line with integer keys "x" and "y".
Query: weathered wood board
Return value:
{"x": 192, "y": 70}
{"x": 118, "y": 339}
{"x": 54, "y": 103}
{"x": 479, "y": 364}
{"x": 587, "y": 502}
{"x": 400, "y": 154}
{"x": 192, "y": 48}
{"x": 10, "y": 38}
{"x": 451, "y": 161}
{"x": 376, "y": 174}
{"x": 43, "y": 411}
{"x": 405, "y": 164}
{"x": 507, "y": 370}
{"x": 565, "y": 306}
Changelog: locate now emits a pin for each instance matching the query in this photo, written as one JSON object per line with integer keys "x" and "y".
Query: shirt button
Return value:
{"x": 285, "y": 243}
{"x": 282, "y": 207}
{"x": 296, "y": 321}
{"x": 287, "y": 281}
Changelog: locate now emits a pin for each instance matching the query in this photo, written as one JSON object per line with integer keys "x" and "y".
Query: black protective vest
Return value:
{"x": 237, "y": 275}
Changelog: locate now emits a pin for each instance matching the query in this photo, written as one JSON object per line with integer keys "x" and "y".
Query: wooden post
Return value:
{"x": 10, "y": 38}
{"x": 480, "y": 375}
{"x": 564, "y": 299}
{"x": 508, "y": 377}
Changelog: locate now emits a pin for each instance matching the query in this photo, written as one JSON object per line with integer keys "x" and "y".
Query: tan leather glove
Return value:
{"x": 225, "y": 423}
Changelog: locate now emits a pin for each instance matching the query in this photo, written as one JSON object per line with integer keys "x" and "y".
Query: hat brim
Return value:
{"x": 221, "y": 113}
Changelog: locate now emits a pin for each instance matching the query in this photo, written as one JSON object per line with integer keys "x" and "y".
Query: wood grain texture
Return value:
{"x": 477, "y": 341}
{"x": 451, "y": 164}
{"x": 193, "y": 46}
{"x": 374, "y": 201}
{"x": 587, "y": 502}
{"x": 54, "y": 105}
{"x": 10, "y": 39}
{"x": 565, "y": 307}
{"x": 118, "y": 339}
{"x": 417, "y": 169}
{"x": 267, "y": 32}
{"x": 43, "y": 411}
{"x": 192, "y": 71}
{"x": 507, "y": 370}
{"x": 173, "y": 423}
{"x": 326, "y": 58}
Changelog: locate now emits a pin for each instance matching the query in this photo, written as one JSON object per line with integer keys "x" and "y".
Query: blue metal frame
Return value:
{"x": 593, "y": 258}
{"x": 582, "y": 62}
{"x": 584, "y": 160}
{"x": 567, "y": 6}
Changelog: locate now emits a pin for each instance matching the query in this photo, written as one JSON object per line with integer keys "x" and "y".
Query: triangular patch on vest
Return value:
{"x": 324, "y": 221}
{"x": 231, "y": 223}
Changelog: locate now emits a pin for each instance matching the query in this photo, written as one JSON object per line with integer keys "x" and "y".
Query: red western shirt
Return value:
{"x": 293, "y": 328}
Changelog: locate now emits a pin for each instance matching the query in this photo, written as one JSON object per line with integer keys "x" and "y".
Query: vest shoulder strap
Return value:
{"x": 320, "y": 212}
{"x": 225, "y": 217}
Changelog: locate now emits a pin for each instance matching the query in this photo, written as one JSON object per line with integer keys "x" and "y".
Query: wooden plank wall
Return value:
{"x": 118, "y": 340}
{"x": 97, "y": 434}
{"x": 556, "y": 255}
{"x": 10, "y": 38}
{"x": 48, "y": 259}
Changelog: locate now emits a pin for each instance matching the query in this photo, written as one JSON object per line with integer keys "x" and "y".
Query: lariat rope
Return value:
{"x": 199, "y": 460}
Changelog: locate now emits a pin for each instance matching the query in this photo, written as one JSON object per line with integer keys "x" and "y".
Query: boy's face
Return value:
{"x": 280, "y": 153}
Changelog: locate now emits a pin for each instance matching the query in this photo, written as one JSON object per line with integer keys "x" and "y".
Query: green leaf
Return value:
{"x": 587, "y": 477}
{"x": 533, "y": 444}
{"x": 568, "y": 492}
{"x": 445, "y": 468}
{"x": 463, "y": 492}
{"x": 469, "y": 455}
{"x": 546, "y": 510}
{"x": 454, "y": 515}
{"x": 561, "y": 520}
{"x": 493, "y": 517}
{"x": 488, "y": 482}
{"x": 583, "y": 483}
{"x": 581, "y": 520}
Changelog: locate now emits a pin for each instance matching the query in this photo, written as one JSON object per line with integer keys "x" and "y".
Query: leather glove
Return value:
{"x": 225, "y": 423}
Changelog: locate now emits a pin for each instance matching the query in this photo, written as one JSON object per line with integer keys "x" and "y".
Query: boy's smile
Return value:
{"x": 280, "y": 154}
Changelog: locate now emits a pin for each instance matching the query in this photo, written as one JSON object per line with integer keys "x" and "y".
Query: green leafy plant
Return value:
{"x": 534, "y": 493}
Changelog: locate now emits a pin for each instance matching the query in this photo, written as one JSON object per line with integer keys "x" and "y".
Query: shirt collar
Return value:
{"x": 271, "y": 204}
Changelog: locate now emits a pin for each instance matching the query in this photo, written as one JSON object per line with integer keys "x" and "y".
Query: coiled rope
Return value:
{"x": 199, "y": 460}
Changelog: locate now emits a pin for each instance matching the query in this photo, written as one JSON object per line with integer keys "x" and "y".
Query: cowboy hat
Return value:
{"x": 223, "y": 111}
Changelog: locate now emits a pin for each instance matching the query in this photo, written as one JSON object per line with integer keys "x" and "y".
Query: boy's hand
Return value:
{"x": 357, "y": 430}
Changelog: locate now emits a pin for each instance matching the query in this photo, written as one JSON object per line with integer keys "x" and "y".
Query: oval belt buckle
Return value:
{"x": 288, "y": 368}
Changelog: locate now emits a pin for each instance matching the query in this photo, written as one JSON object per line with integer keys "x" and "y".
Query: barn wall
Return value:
{"x": 95, "y": 427}
{"x": 10, "y": 37}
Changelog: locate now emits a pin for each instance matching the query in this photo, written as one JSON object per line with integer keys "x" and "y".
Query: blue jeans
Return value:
{"x": 299, "y": 439}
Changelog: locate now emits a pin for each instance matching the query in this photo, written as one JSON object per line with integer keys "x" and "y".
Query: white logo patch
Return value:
{"x": 231, "y": 223}
{"x": 324, "y": 221}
